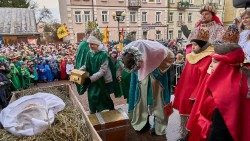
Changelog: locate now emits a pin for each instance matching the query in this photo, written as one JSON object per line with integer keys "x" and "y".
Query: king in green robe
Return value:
{"x": 97, "y": 65}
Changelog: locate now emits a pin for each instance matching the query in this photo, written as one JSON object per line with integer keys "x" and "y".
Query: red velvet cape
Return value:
{"x": 226, "y": 89}
{"x": 191, "y": 77}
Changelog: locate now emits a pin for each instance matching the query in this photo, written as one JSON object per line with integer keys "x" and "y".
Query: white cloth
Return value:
{"x": 31, "y": 115}
{"x": 153, "y": 53}
{"x": 93, "y": 40}
{"x": 69, "y": 68}
{"x": 244, "y": 42}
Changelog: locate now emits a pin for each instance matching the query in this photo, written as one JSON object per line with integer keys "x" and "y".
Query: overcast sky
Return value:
{"x": 52, "y": 5}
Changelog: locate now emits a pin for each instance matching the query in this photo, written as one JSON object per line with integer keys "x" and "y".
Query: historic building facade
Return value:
{"x": 145, "y": 19}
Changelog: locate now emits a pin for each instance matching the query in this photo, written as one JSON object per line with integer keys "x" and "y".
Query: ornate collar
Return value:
{"x": 212, "y": 23}
{"x": 193, "y": 58}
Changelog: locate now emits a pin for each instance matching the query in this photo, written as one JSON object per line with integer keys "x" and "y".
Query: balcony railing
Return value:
{"x": 183, "y": 5}
{"x": 134, "y": 4}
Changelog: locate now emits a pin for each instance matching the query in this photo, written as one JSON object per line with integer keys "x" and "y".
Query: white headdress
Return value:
{"x": 149, "y": 53}
{"x": 93, "y": 40}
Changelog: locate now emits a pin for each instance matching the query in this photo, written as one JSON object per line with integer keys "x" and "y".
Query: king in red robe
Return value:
{"x": 224, "y": 99}
{"x": 224, "y": 71}
{"x": 193, "y": 73}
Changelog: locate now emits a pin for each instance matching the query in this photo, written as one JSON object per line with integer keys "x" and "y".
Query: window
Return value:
{"x": 171, "y": 1}
{"x": 158, "y": 17}
{"x": 144, "y": 0}
{"x": 133, "y": 35}
{"x": 170, "y": 18}
{"x": 132, "y": 16}
{"x": 191, "y": 1}
{"x": 158, "y": 35}
{"x": 78, "y": 18}
{"x": 86, "y": 16}
{"x": 189, "y": 17}
{"x": 151, "y": 0}
{"x": 180, "y": 16}
{"x": 170, "y": 34}
{"x": 144, "y": 17}
{"x": 158, "y": 1}
{"x": 179, "y": 34}
{"x": 104, "y": 16}
{"x": 145, "y": 35}
{"x": 219, "y": 2}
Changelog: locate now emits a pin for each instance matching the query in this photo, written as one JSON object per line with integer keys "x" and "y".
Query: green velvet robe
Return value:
{"x": 26, "y": 78}
{"x": 81, "y": 54}
{"x": 121, "y": 88}
{"x": 14, "y": 77}
{"x": 98, "y": 94}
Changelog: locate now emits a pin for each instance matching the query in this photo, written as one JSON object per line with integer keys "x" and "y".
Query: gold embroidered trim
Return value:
{"x": 193, "y": 58}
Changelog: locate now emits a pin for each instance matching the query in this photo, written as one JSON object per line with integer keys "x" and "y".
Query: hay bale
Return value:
{"x": 68, "y": 125}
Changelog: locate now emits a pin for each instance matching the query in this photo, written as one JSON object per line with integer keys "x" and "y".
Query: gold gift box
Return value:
{"x": 78, "y": 76}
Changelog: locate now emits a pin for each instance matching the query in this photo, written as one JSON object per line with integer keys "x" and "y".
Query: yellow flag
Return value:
{"x": 62, "y": 31}
{"x": 105, "y": 36}
{"x": 120, "y": 47}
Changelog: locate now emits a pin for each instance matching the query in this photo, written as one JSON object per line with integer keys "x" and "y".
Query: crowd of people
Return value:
{"x": 24, "y": 65}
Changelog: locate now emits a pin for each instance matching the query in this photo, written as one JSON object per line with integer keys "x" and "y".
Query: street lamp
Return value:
{"x": 118, "y": 16}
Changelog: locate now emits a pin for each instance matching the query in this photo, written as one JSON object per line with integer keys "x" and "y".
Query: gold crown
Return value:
{"x": 231, "y": 35}
{"x": 208, "y": 7}
{"x": 202, "y": 35}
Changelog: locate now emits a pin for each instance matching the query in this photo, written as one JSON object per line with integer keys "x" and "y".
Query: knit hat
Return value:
{"x": 209, "y": 8}
{"x": 93, "y": 40}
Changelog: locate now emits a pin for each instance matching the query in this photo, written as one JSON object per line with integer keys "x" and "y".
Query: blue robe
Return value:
{"x": 41, "y": 72}
{"x": 54, "y": 69}
{"x": 48, "y": 73}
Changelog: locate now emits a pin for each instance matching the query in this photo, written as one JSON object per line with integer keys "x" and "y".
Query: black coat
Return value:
{"x": 4, "y": 90}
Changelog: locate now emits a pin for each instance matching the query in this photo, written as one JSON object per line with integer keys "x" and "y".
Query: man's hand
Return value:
{"x": 119, "y": 78}
{"x": 239, "y": 23}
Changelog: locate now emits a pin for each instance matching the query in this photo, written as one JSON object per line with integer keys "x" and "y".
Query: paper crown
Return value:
{"x": 231, "y": 35}
{"x": 209, "y": 8}
{"x": 202, "y": 35}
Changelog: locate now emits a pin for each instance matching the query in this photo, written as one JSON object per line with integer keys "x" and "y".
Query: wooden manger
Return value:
{"x": 68, "y": 94}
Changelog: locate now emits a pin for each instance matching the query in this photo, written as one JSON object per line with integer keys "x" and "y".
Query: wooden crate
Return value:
{"x": 72, "y": 95}
{"x": 111, "y": 125}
